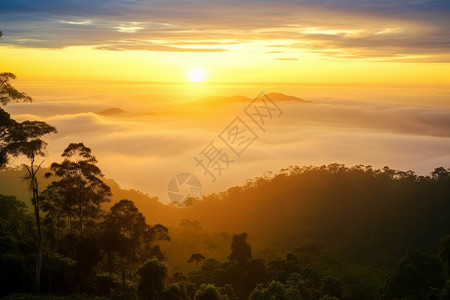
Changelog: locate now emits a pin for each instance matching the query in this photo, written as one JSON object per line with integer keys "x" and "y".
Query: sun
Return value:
{"x": 196, "y": 74}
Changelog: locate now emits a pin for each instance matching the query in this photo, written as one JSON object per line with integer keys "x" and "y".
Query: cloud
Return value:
{"x": 144, "y": 151}
{"x": 345, "y": 30}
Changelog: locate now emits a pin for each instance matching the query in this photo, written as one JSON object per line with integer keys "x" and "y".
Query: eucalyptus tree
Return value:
{"x": 80, "y": 186}
{"x": 23, "y": 139}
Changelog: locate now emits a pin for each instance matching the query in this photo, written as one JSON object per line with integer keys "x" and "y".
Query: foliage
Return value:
{"x": 7, "y": 92}
{"x": 415, "y": 275}
{"x": 151, "y": 279}
{"x": 208, "y": 292}
{"x": 240, "y": 250}
{"x": 79, "y": 192}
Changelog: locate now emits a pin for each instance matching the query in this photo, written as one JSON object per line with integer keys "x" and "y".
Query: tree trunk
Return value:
{"x": 81, "y": 219}
{"x": 35, "y": 200}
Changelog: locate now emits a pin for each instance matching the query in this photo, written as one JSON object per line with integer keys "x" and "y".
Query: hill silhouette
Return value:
{"x": 360, "y": 213}
{"x": 221, "y": 100}
{"x": 112, "y": 112}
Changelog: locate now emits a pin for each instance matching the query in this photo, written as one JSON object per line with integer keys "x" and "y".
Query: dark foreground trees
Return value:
{"x": 119, "y": 242}
{"x": 126, "y": 232}
{"x": 152, "y": 275}
{"x": 416, "y": 275}
{"x": 80, "y": 191}
{"x": 24, "y": 139}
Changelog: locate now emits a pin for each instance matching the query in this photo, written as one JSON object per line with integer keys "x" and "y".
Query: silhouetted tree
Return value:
{"x": 208, "y": 292}
{"x": 88, "y": 255}
{"x": 151, "y": 279}
{"x": 240, "y": 250}
{"x": 136, "y": 236}
{"x": 111, "y": 241}
{"x": 196, "y": 257}
{"x": 23, "y": 138}
{"x": 8, "y": 92}
{"x": 80, "y": 184}
{"x": 275, "y": 290}
{"x": 415, "y": 275}
{"x": 12, "y": 216}
{"x": 7, "y": 125}
{"x": 13, "y": 271}
{"x": 444, "y": 252}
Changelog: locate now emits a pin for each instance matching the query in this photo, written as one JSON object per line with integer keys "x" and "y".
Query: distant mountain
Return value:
{"x": 221, "y": 100}
{"x": 278, "y": 97}
{"x": 112, "y": 112}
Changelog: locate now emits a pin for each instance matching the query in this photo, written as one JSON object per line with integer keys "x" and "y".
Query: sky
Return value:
{"x": 235, "y": 41}
{"x": 375, "y": 76}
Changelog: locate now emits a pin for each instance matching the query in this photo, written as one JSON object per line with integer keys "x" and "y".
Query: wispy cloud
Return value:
{"x": 343, "y": 30}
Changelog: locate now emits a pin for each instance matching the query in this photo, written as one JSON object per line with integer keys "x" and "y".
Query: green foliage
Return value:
{"x": 12, "y": 216}
{"x": 274, "y": 291}
{"x": 151, "y": 279}
{"x": 79, "y": 192}
{"x": 58, "y": 275}
{"x": 126, "y": 232}
{"x": 344, "y": 209}
{"x": 208, "y": 292}
{"x": 444, "y": 252}
{"x": 415, "y": 275}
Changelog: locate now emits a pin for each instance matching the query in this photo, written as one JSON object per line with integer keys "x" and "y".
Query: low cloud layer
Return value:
{"x": 144, "y": 150}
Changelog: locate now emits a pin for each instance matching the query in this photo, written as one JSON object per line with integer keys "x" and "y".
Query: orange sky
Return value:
{"x": 377, "y": 42}
{"x": 377, "y": 74}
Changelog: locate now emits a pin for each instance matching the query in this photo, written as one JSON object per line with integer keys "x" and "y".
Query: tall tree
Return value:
{"x": 23, "y": 138}
{"x": 196, "y": 257}
{"x": 137, "y": 237}
{"x": 80, "y": 184}
{"x": 240, "y": 250}
{"x": 152, "y": 275}
{"x": 414, "y": 276}
{"x": 7, "y": 94}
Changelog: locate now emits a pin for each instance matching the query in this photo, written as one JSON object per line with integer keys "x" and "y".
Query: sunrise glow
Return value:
{"x": 197, "y": 74}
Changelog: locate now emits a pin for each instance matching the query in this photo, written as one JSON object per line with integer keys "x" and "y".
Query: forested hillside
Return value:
{"x": 352, "y": 227}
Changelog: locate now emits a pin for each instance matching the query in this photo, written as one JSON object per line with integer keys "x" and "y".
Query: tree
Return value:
{"x": 196, "y": 257}
{"x": 80, "y": 184}
{"x": 56, "y": 208}
{"x": 23, "y": 139}
{"x": 208, "y": 292}
{"x": 13, "y": 271}
{"x": 8, "y": 92}
{"x": 240, "y": 250}
{"x": 135, "y": 234}
{"x": 415, "y": 275}
{"x": 12, "y": 216}
{"x": 275, "y": 290}
{"x": 444, "y": 252}
{"x": 151, "y": 279}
